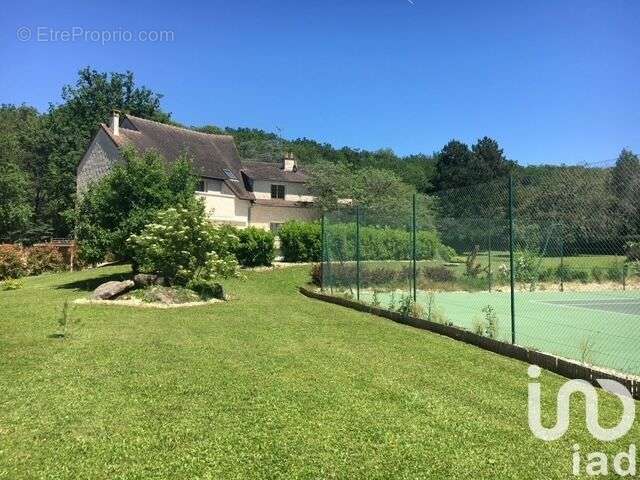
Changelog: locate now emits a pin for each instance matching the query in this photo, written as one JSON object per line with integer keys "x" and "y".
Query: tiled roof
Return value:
{"x": 211, "y": 154}
{"x": 272, "y": 171}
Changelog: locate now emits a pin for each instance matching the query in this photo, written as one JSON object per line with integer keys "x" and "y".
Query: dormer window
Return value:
{"x": 277, "y": 191}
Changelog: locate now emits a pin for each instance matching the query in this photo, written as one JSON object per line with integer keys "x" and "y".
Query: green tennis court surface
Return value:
{"x": 602, "y": 328}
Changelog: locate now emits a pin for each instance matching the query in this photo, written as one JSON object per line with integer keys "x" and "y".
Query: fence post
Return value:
{"x": 323, "y": 256}
{"x": 413, "y": 256}
{"x": 561, "y": 258}
{"x": 489, "y": 272}
{"x": 511, "y": 261}
{"x": 358, "y": 253}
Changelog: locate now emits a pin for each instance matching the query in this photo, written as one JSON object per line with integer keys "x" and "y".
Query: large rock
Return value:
{"x": 147, "y": 279}
{"x": 111, "y": 289}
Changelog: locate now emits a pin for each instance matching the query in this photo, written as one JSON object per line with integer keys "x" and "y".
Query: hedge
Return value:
{"x": 300, "y": 241}
{"x": 383, "y": 244}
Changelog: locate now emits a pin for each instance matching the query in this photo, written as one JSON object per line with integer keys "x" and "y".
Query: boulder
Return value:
{"x": 145, "y": 280}
{"x": 111, "y": 289}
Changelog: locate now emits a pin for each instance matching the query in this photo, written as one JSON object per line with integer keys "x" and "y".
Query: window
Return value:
{"x": 201, "y": 186}
{"x": 277, "y": 191}
{"x": 230, "y": 174}
{"x": 275, "y": 227}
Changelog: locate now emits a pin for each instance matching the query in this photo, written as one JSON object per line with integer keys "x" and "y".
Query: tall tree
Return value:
{"x": 72, "y": 124}
{"x": 625, "y": 183}
{"x": 453, "y": 166}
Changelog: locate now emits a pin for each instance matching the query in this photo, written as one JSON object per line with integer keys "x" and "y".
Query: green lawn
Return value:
{"x": 269, "y": 385}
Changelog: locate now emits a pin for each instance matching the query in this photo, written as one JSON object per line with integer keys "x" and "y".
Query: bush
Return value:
{"x": 13, "y": 262}
{"x": 300, "y": 241}
{"x": 44, "y": 258}
{"x": 206, "y": 289}
{"x": 255, "y": 247}
{"x": 316, "y": 274}
{"x": 570, "y": 274}
{"x": 439, "y": 273}
{"x": 383, "y": 243}
{"x": 182, "y": 245}
{"x": 598, "y": 274}
{"x": 344, "y": 275}
{"x": 615, "y": 272}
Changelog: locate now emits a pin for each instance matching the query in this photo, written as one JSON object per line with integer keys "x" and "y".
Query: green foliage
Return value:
{"x": 527, "y": 267}
{"x": 487, "y": 325}
{"x": 181, "y": 244}
{"x": 632, "y": 251}
{"x": 126, "y": 199}
{"x": 382, "y": 243}
{"x": 206, "y": 289}
{"x": 408, "y": 308}
{"x": 380, "y": 191}
{"x": 458, "y": 166}
{"x": 300, "y": 241}
{"x": 255, "y": 248}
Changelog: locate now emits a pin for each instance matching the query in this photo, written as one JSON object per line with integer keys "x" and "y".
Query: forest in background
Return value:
{"x": 40, "y": 151}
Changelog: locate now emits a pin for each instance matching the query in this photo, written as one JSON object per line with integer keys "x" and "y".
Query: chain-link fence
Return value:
{"x": 547, "y": 258}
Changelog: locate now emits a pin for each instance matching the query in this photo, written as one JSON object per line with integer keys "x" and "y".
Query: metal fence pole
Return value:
{"x": 561, "y": 259}
{"x": 358, "y": 253}
{"x": 414, "y": 249}
{"x": 489, "y": 271}
{"x": 511, "y": 262}
{"x": 323, "y": 255}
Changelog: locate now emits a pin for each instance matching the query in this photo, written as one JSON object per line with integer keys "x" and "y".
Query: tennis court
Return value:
{"x": 602, "y": 328}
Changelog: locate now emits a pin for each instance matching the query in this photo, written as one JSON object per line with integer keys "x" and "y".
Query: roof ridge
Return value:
{"x": 190, "y": 130}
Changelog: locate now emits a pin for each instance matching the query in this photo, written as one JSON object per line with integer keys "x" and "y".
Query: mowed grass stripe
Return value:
{"x": 269, "y": 385}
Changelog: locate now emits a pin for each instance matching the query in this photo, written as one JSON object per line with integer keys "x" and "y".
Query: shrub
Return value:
{"x": 316, "y": 274}
{"x": 44, "y": 258}
{"x": 527, "y": 267}
{"x": 615, "y": 272}
{"x": 128, "y": 198}
{"x": 182, "y": 245}
{"x": 206, "y": 289}
{"x": 570, "y": 274}
{"x": 598, "y": 274}
{"x": 300, "y": 241}
{"x": 13, "y": 262}
{"x": 255, "y": 247}
{"x": 439, "y": 273}
{"x": 383, "y": 243}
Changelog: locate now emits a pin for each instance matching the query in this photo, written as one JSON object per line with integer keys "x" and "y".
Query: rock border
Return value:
{"x": 141, "y": 304}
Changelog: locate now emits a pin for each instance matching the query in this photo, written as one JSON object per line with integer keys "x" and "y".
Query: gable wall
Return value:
{"x": 100, "y": 157}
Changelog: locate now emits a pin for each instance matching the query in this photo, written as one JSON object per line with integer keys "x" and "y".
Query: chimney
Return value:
{"x": 289, "y": 162}
{"x": 115, "y": 122}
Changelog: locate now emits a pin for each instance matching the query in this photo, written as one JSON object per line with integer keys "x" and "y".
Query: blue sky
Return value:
{"x": 552, "y": 81}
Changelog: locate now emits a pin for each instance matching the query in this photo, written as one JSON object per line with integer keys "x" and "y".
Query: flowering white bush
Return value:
{"x": 181, "y": 245}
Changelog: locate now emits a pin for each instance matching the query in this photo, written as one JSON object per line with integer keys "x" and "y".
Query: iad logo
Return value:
{"x": 624, "y": 463}
{"x": 591, "y": 399}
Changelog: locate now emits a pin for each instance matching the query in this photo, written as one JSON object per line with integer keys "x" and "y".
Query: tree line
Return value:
{"x": 40, "y": 151}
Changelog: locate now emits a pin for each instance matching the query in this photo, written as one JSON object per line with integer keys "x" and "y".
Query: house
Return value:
{"x": 235, "y": 191}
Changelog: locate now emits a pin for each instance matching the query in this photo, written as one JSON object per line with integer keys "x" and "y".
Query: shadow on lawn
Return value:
{"x": 91, "y": 284}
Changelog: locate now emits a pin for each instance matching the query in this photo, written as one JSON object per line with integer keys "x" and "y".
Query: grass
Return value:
{"x": 269, "y": 385}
